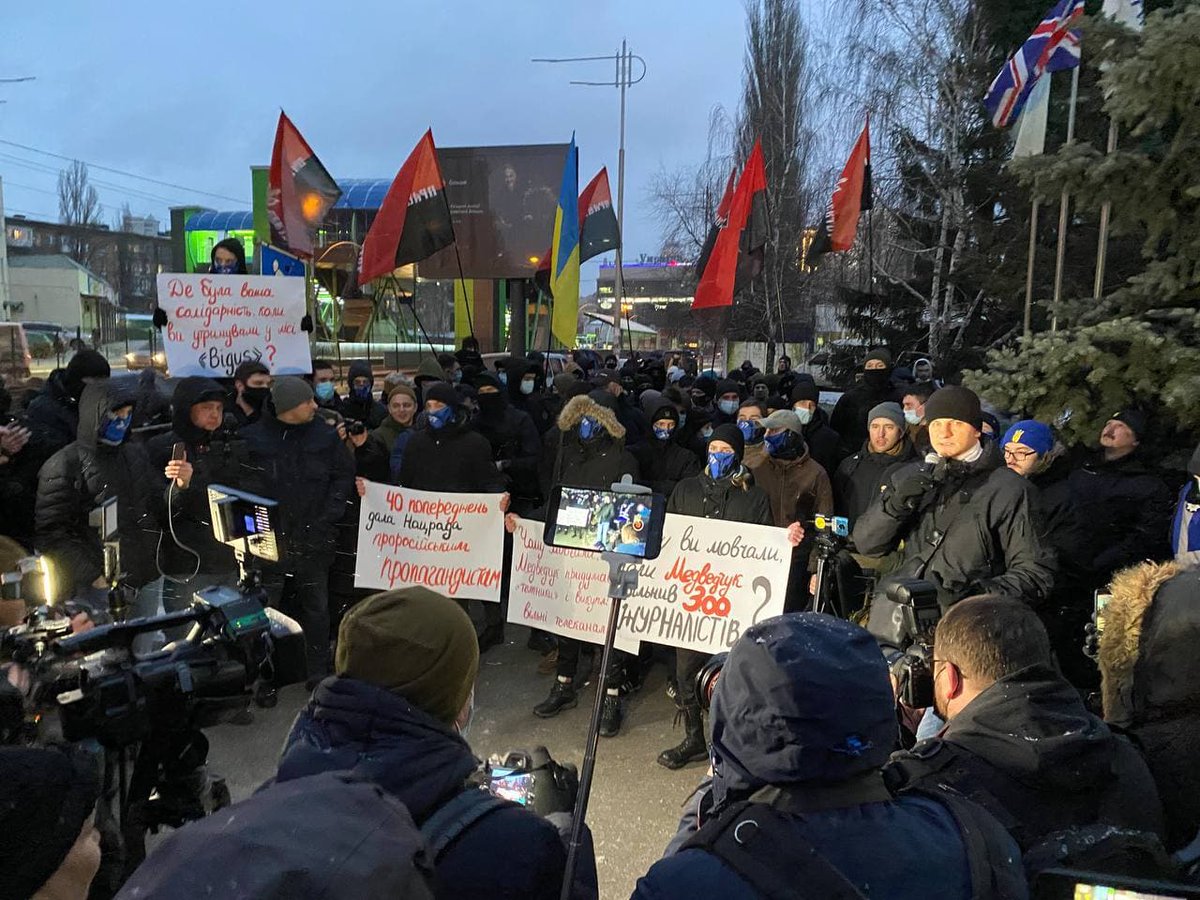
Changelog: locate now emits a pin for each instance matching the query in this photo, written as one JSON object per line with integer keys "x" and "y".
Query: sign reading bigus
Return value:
{"x": 449, "y": 543}
{"x": 710, "y": 583}
{"x": 216, "y": 322}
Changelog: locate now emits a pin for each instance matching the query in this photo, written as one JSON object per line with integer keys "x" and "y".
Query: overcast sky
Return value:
{"x": 190, "y": 93}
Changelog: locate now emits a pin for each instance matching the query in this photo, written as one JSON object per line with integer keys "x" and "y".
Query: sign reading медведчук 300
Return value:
{"x": 217, "y": 322}
{"x": 706, "y": 587}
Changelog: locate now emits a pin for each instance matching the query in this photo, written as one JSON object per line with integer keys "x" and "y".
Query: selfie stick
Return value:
{"x": 622, "y": 581}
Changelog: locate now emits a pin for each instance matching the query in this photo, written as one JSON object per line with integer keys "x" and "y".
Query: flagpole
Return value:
{"x": 1033, "y": 230}
{"x": 1064, "y": 203}
{"x": 623, "y": 72}
{"x": 1105, "y": 214}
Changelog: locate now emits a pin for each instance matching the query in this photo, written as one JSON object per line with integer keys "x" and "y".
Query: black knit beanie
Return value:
{"x": 732, "y": 435}
{"x": 954, "y": 402}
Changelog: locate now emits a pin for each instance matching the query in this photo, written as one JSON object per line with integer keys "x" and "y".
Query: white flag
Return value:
{"x": 1031, "y": 127}
{"x": 1127, "y": 12}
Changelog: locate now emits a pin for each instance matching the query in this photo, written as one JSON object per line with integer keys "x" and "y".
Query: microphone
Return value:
{"x": 936, "y": 466}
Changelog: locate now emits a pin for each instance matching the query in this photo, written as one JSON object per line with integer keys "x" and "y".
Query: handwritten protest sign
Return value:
{"x": 216, "y": 322}
{"x": 449, "y": 543}
{"x": 709, "y": 584}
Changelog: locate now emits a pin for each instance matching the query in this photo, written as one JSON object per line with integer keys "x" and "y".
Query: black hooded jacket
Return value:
{"x": 1028, "y": 750}
{"x": 824, "y": 444}
{"x": 849, "y": 417}
{"x": 78, "y": 478}
{"x": 596, "y": 463}
{"x": 216, "y": 458}
{"x": 308, "y": 469}
{"x": 734, "y": 498}
{"x": 515, "y": 442}
{"x": 52, "y": 417}
{"x": 860, "y": 478}
{"x": 367, "y": 409}
{"x": 455, "y": 459}
{"x": 664, "y": 463}
{"x": 534, "y": 405}
{"x": 973, "y": 530}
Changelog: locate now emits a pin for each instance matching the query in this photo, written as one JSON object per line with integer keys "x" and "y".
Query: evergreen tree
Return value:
{"x": 1141, "y": 344}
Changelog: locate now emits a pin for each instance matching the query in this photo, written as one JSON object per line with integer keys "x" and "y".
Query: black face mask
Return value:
{"x": 490, "y": 403}
{"x": 877, "y": 378}
{"x": 255, "y": 397}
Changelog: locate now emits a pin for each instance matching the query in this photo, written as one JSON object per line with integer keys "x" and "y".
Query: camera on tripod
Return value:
{"x": 916, "y": 614}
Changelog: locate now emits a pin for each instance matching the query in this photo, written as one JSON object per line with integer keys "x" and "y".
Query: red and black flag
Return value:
{"x": 753, "y": 242}
{"x": 299, "y": 193}
{"x": 720, "y": 219}
{"x": 851, "y": 197}
{"x": 598, "y": 229}
{"x": 744, "y": 232}
{"x": 414, "y": 220}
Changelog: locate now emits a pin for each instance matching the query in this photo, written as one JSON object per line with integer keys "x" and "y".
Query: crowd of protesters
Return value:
{"x": 1015, "y": 532}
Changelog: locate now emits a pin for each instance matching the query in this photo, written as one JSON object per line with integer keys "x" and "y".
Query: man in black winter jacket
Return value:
{"x": 1019, "y": 740}
{"x": 52, "y": 417}
{"x": 849, "y": 417}
{"x": 966, "y": 523}
{"x": 824, "y": 444}
{"x": 213, "y": 456}
{"x": 514, "y": 439}
{"x": 360, "y": 404}
{"x": 301, "y": 462}
{"x": 590, "y": 453}
{"x": 100, "y": 465}
{"x": 725, "y": 490}
{"x": 663, "y": 461}
{"x": 860, "y": 478}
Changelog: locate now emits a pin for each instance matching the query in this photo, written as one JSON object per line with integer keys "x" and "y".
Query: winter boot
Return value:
{"x": 611, "y": 713}
{"x": 562, "y": 696}
{"x": 693, "y": 748}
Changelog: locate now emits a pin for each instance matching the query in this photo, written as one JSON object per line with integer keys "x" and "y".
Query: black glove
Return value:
{"x": 306, "y": 324}
{"x": 160, "y": 317}
{"x": 904, "y": 497}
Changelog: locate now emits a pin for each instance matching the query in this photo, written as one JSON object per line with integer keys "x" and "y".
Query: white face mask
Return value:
{"x": 912, "y": 417}
{"x": 466, "y": 717}
{"x": 804, "y": 414}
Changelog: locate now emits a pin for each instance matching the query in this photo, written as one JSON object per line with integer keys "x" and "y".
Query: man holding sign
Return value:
{"x": 724, "y": 490}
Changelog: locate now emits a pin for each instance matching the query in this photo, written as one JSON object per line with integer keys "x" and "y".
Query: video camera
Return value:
{"x": 706, "y": 679}
{"x": 915, "y": 614}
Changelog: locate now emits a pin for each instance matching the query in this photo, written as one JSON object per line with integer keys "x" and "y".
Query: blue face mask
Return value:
{"x": 664, "y": 434}
{"x": 527, "y": 386}
{"x": 441, "y": 418}
{"x": 324, "y": 390}
{"x": 729, "y": 407}
{"x": 224, "y": 268}
{"x": 776, "y": 442}
{"x": 719, "y": 464}
{"x": 751, "y": 432}
{"x": 114, "y": 430}
{"x": 503, "y": 376}
{"x": 912, "y": 417}
{"x": 362, "y": 393}
{"x": 804, "y": 414}
{"x": 588, "y": 428}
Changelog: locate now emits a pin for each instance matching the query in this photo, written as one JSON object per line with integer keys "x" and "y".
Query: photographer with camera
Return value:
{"x": 1019, "y": 740}
{"x": 397, "y": 711}
{"x": 51, "y": 848}
{"x": 961, "y": 519}
{"x": 803, "y": 721}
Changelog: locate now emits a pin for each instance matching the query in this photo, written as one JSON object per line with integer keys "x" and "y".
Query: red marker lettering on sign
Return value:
{"x": 396, "y": 501}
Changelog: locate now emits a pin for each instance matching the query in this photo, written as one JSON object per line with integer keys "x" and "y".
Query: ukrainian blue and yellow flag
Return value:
{"x": 564, "y": 254}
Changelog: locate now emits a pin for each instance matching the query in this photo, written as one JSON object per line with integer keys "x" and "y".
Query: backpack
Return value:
{"x": 454, "y": 817}
{"x": 756, "y": 839}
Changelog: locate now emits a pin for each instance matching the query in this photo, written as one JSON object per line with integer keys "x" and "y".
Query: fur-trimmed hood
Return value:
{"x": 1148, "y": 661}
{"x": 578, "y": 407}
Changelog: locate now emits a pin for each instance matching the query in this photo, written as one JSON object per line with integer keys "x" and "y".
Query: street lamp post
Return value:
{"x": 622, "y": 80}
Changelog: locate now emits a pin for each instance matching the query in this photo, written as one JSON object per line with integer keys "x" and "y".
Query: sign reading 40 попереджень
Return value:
{"x": 449, "y": 543}
{"x": 217, "y": 322}
{"x": 709, "y": 584}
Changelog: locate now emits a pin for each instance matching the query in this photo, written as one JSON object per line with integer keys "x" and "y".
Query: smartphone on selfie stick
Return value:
{"x": 624, "y": 524}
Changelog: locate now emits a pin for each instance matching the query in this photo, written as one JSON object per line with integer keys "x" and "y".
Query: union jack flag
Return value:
{"x": 1052, "y": 47}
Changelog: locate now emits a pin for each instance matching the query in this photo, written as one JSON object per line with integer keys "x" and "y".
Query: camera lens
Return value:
{"x": 357, "y": 428}
{"x": 706, "y": 679}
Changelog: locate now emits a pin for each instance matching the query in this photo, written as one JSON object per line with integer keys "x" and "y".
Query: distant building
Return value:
{"x": 143, "y": 226}
{"x": 54, "y": 288}
{"x": 658, "y": 293}
{"x": 127, "y": 261}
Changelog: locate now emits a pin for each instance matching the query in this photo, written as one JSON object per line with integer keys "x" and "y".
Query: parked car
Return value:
{"x": 15, "y": 358}
{"x": 140, "y": 356}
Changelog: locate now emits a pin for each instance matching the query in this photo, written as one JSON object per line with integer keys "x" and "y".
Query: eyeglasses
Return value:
{"x": 1019, "y": 455}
